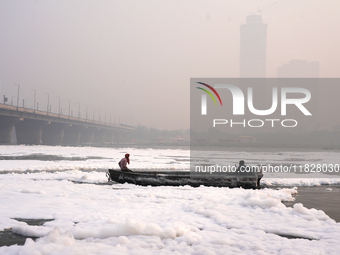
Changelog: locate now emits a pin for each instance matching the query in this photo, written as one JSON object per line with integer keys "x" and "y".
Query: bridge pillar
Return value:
{"x": 118, "y": 136}
{"x": 99, "y": 136}
{"x": 6, "y": 128}
{"x": 72, "y": 135}
{"x": 87, "y": 135}
{"x": 29, "y": 131}
{"x": 109, "y": 136}
{"x": 53, "y": 133}
{"x": 126, "y": 137}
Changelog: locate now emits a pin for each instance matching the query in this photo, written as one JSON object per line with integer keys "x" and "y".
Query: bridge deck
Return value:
{"x": 40, "y": 127}
{"x": 25, "y": 113}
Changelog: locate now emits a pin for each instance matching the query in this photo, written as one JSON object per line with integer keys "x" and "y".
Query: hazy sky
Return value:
{"x": 136, "y": 58}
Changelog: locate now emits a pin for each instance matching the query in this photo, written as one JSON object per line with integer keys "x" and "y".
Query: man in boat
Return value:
{"x": 123, "y": 163}
{"x": 242, "y": 167}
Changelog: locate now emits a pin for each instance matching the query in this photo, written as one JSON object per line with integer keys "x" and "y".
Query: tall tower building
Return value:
{"x": 253, "y": 47}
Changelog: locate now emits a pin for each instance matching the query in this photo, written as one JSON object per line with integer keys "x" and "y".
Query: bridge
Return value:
{"x": 42, "y": 127}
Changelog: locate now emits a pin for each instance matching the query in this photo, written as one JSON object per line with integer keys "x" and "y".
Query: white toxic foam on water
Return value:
{"x": 89, "y": 216}
{"x": 88, "y": 158}
{"x": 123, "y": 218}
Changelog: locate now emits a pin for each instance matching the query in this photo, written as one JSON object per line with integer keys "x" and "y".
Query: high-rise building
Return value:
{"x": 253, "y": 47}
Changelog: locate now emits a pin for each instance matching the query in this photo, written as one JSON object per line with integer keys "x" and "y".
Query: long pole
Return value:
{"x": 48, "y": 101}
{"x": 94, "y": 109}
{"x": 69, "y": 107}
{"x": 59, "y": 106}
{"x": 18, "y": 96}
{"x": 34, "y": 99}
{"x": 86, "y": 112}
{"x": 78, "y": 110}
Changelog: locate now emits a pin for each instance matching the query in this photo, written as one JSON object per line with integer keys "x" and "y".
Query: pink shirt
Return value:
{"x": 123, "y": 163}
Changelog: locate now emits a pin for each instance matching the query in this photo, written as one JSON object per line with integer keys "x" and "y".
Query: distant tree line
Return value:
{"x": 143, "y": 133}
{"x": 315, "y": 139}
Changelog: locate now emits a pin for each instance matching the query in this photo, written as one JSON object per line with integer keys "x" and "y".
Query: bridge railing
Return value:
{"x": 14, "y": 111}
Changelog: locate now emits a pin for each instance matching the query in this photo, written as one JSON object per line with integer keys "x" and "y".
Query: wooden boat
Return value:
{"x": 180, "y": 178}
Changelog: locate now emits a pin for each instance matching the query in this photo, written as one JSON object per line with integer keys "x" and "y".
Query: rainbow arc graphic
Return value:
{"x": 204, "y": 97}
{"x": 209, "y": 93}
